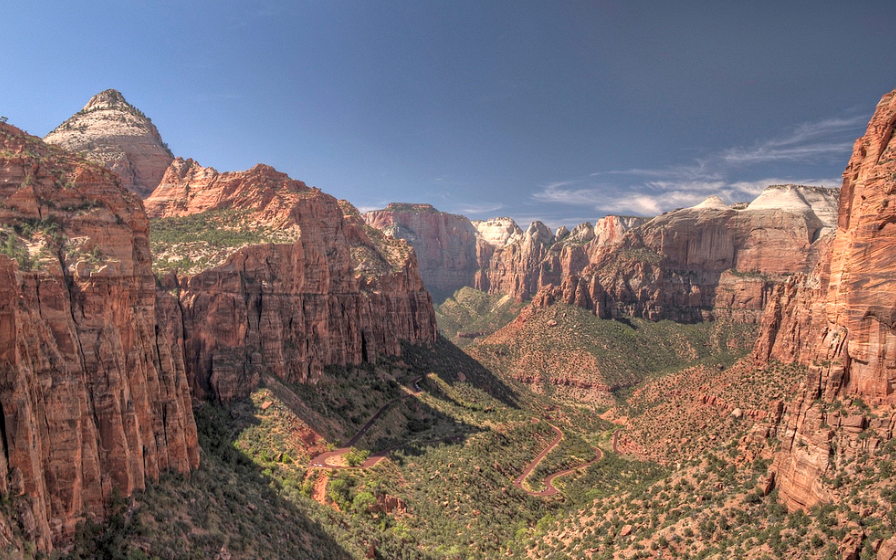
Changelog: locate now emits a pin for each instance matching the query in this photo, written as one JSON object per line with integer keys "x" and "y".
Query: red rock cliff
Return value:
{"x": 92, "y": 398}
{"x": 839, "y": 321}
{"x": 446, "y": 245}
{"x": 704, "y": 262}
{"x": 339, "y": 293}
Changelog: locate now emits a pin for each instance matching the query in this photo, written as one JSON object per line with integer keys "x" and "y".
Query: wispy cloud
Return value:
{"x": 481, "y": 209}
{"x": 647, "y": 191}
{"x": 807, "y": 142}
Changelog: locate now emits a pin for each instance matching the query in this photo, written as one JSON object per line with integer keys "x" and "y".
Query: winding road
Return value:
{"x": 322, "y": 461}
{"x": 549, "y": 488}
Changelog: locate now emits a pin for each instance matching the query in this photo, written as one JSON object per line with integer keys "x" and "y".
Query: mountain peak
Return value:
{"x": 115, "y": 134}
{"x": 108, "y": 99}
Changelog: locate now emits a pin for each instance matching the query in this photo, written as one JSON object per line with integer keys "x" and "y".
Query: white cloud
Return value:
{"x": 481, "y": 209}
{"x": 645, "y": 191}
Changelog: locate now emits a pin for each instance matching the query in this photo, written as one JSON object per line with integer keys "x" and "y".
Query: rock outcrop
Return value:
{"x": 694, "y": 264}
{"x": 498, "y": 232}
{"x": 447, "y": 245}
{"x": 839, "y": 321}
{"x": 93, "y": 396}
{"x": 115, "y": 134}
{"x": 339, "y": 293}
{"x": 705, "y": 262}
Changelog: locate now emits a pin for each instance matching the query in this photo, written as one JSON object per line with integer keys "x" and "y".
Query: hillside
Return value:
{"x": 471, "y": 314}
{"x": 567, "y": 352}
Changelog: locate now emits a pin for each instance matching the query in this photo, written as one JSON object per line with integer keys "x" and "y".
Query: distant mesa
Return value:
{"x": 115, "y": 134}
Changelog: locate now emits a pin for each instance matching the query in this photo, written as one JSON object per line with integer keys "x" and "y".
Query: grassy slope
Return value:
{"x": 709, "y": 503}
{"x": 475, "y": 314}
{"x": 447, "y": 488}
{"x": 564, "y": 345}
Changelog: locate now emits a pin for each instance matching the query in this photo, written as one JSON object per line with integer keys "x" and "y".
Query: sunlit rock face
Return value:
{"x": 706, "y": 262}
{"x": 94, "y": 397}
{"x": 336, "y": 293}
{"x": 115, "y": 134}
{"x": 839, "y": 320}
{"x": 447, "y": 245}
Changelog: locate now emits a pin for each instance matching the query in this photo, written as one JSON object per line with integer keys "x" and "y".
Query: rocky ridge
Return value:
{"x": 333, "y": 292}
{"x": 115, "y": 134}
{"x": 701, "y": 263}
{"x": 693, "y": 264}
{"x": 94, "y": 397}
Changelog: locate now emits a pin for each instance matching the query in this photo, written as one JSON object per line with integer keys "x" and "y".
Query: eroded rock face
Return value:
{"x": 341, "y": 293}
{"x": 709, "y": 261}
{"x": 839, "y": 321}
{"x": 113, "y": 133}
{"x": 498, "y": 232}
{"x": 446, "y": 244}
{"x": 94, "y": 398}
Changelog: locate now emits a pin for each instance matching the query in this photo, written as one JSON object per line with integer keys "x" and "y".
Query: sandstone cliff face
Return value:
{"x": 498, "y": 232}
{"x": 446, "y": 244}
{"x": 705, "y": 262}
{"x": 113, "y": 133}
{"x": 839, "y": 321}
{"x": 340, "y": 293}
{"x": 92, "y": 396}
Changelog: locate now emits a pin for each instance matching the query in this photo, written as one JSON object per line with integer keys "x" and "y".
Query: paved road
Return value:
{"x": 549, "y": 488}
{"x": 322, "y": 460}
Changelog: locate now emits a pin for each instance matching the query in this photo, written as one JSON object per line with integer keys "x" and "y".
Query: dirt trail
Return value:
{"x": 322, "y": 461}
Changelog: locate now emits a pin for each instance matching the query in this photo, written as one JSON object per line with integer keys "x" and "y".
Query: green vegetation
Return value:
{"x": 198, "y": 241}
{"x": 568, "y": 342}
{"x": 472, "y": 314}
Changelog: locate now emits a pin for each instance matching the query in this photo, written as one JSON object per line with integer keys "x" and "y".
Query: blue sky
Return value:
{"x": 556, "y": 110}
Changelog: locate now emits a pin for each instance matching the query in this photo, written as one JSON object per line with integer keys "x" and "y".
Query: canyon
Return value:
{"x": 104, "y": 360}
{"x": 150, "y": 303}
{"x": 692, "y": 264}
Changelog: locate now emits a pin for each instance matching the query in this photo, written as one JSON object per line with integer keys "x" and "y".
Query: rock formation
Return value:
{"x": 115, "y": 134}
{"x": 693, "y": 264}
{"x": 704, "y": 262}
{"x": 339, "y": 293}
{"x": 498, "y": 232}
{"x": 446, "y": 244}
{"x": 839, "y": 321}
{"x": 93, "y": 397}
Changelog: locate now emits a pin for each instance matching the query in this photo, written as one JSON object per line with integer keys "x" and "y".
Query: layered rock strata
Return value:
{"x": 706, "y": 262}
{"x": 340, "y": 293}
{"x": 93, "y": 396}
{"x": 839, "y": 321}
{"x": 115, "y": 134}
{"x": 447, "y": 245}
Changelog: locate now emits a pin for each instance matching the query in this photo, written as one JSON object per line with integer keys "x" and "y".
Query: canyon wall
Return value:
{"x": 447, "y": 245}
{"x": 93, "y": 397}
{"x": 839, "y": 321}
{"x": 339, "y": 293}
{"x": 702, "y": 263}
{"x": 706, "y": 262}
